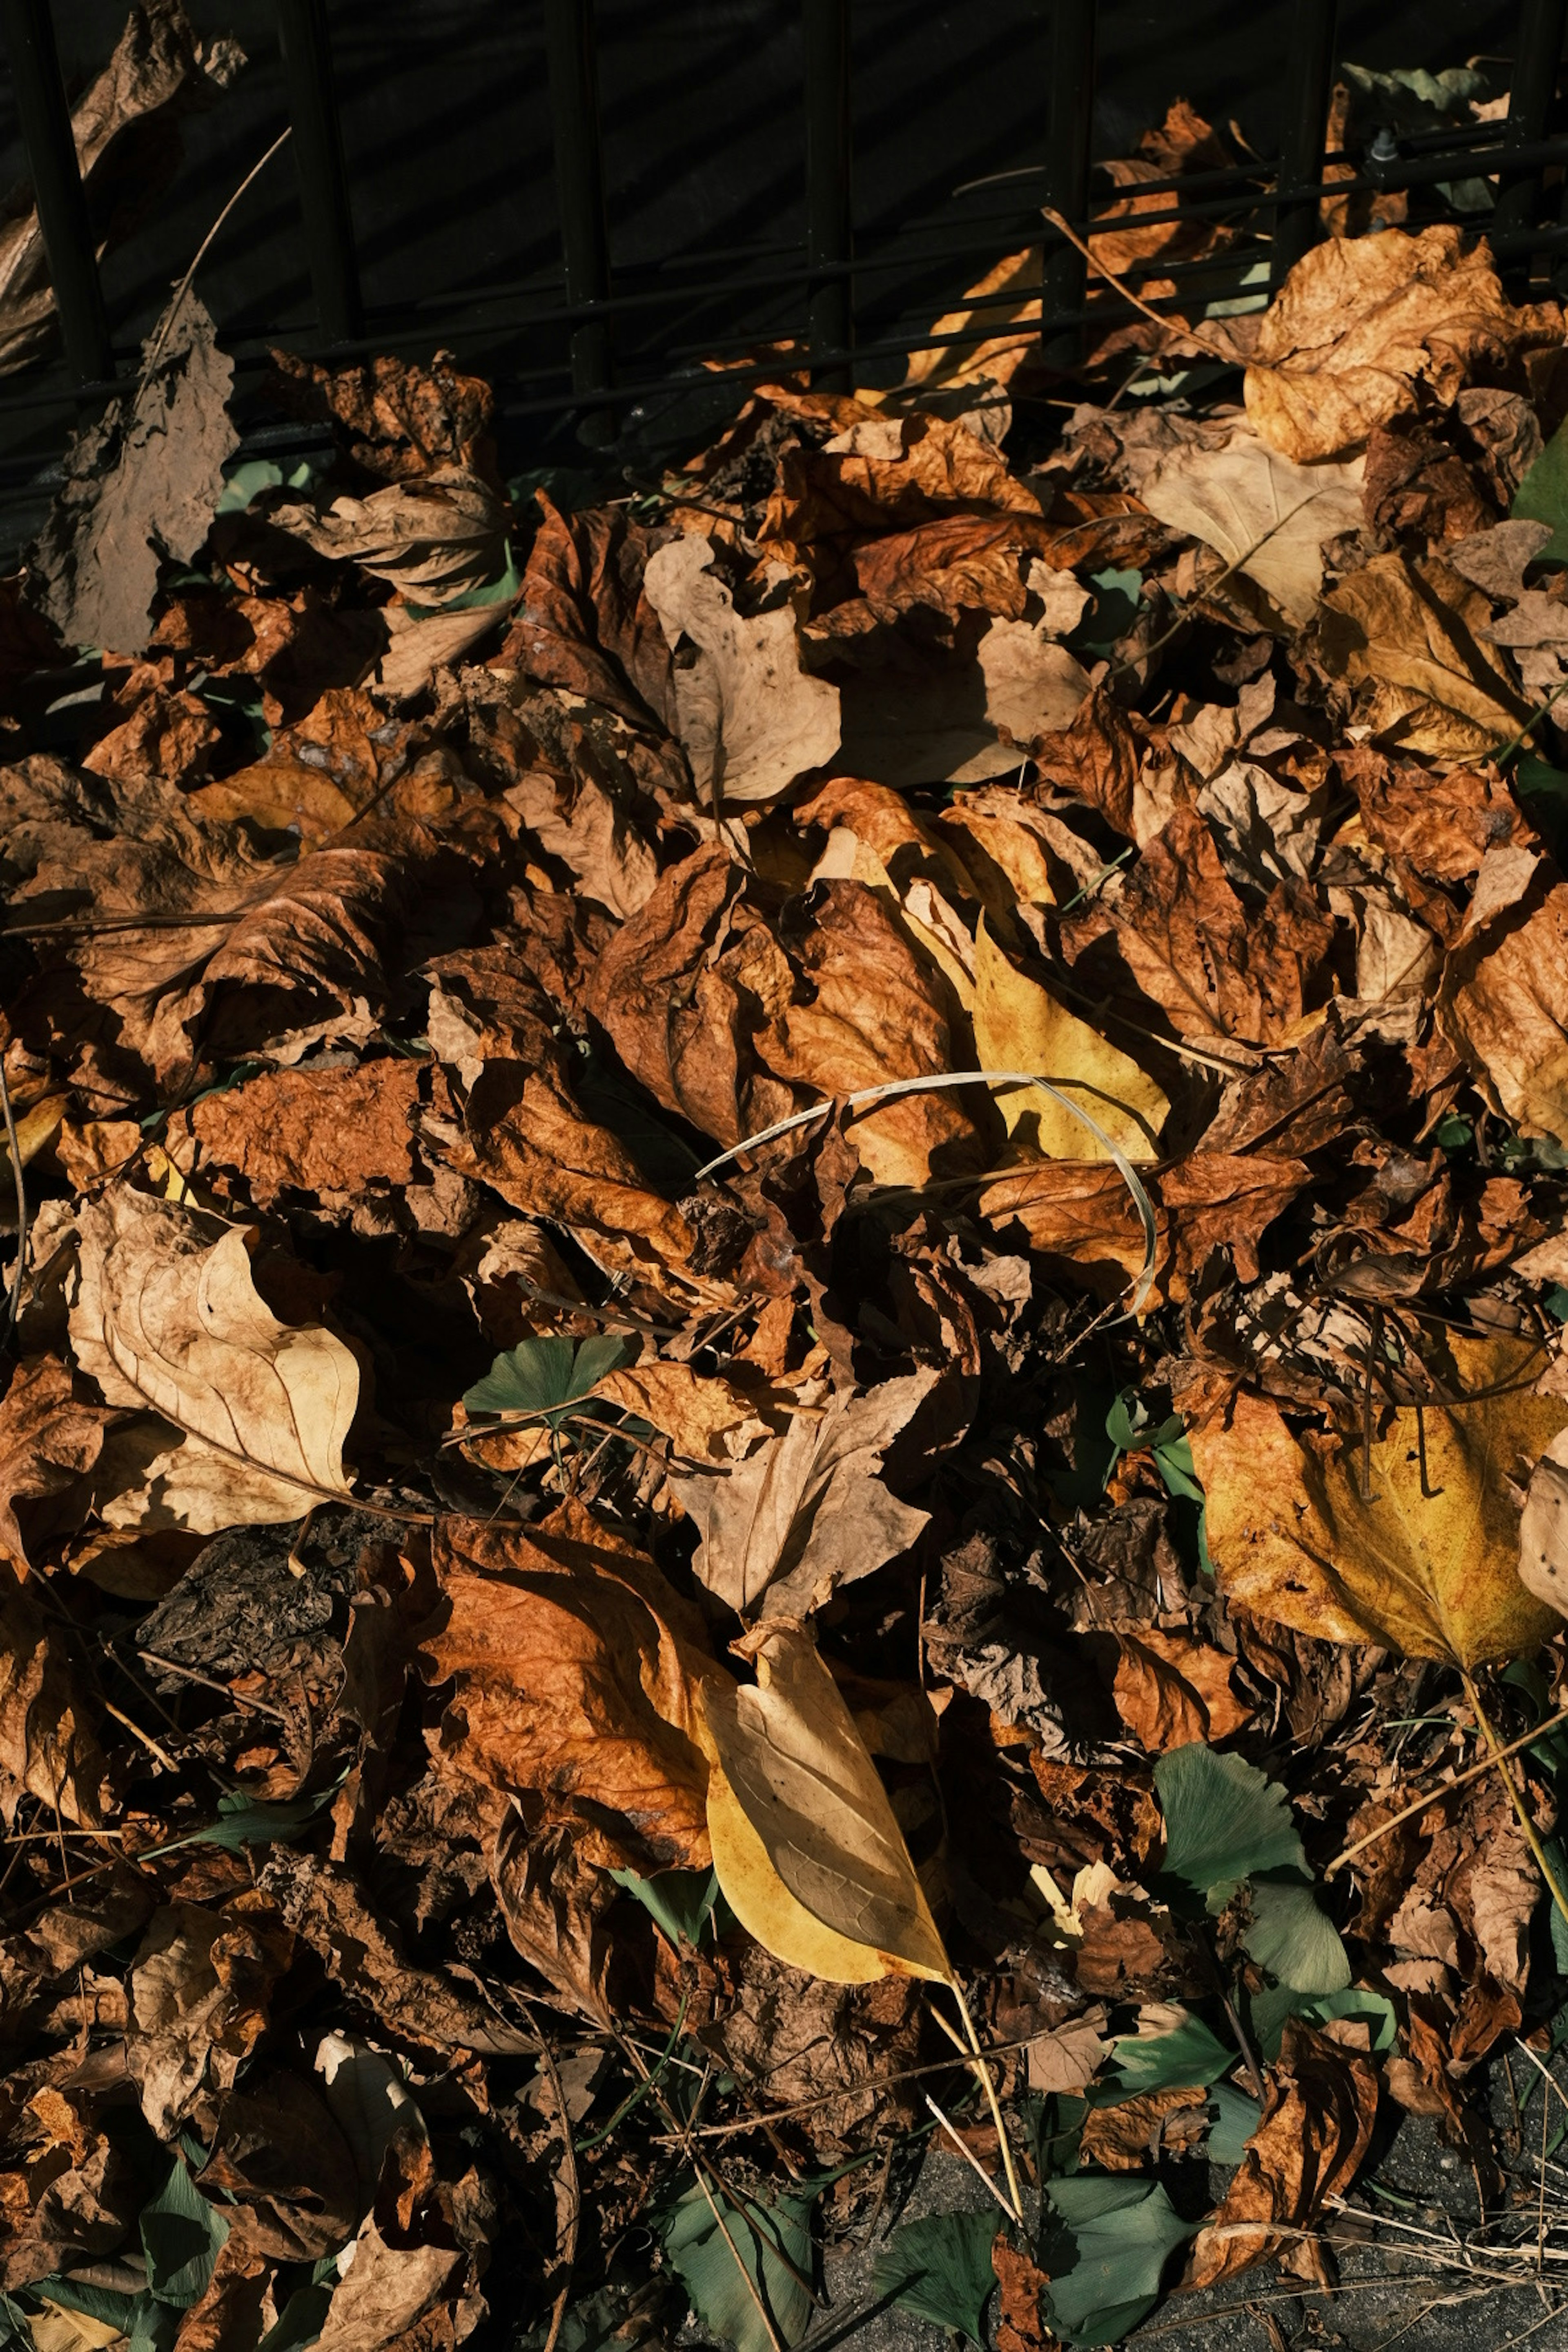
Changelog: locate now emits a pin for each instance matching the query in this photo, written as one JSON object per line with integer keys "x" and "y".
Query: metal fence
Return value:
{"x": 585, "y": 307}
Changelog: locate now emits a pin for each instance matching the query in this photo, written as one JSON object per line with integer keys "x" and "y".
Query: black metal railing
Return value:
{"x": 591, "y": 311}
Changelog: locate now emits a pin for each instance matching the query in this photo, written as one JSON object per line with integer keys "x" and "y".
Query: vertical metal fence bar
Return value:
{"x": 318, "y": 159}
{"x": 1308, "y": 86}
{"x": 57, "y": 191}
{"x": 829, "y": 196}
{"x": 1070, "y": 129}
{"x": 572, "y": 60}
{"x": 1537, "y": 50}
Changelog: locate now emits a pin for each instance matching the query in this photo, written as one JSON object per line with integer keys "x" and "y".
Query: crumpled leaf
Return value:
{"x": 1503, "y": 1000}
{"x": 49, "y": 1445}
{"x": 434, "y": 538}
{"x": 1320, "y": 2105}
{"x": 575, "y": 1669}
{"x": 751, "y": 719}
{"x": 809, "y": 1853}
{"x": 49, "y": 1749}
{"x": 1411, "y": 630}
{"x": 806, "y": 1511}
{"x": 142, "y": 478}
{"x": 1260, "y": 512}
{"x": 166, "y": 1318}
{"x": 1363, "y": 324}
{"x": 1434, "y": 1576}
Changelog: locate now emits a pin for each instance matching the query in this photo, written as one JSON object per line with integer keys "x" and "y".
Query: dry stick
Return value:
{"x": 752, "y": 2288}
{"x": 1435, "y": 1796}
{"x": 983, "y": 2073}
{"x": 573, "y": 2183}
{"x": 184, "y": 288}
{"x": 1516, "y": 1796}
{"x": 1224, "y": 350}
{"x": 146, "y": 1737}
{"x": 972, "y": 2161}
{"x": 13, "y": 1305}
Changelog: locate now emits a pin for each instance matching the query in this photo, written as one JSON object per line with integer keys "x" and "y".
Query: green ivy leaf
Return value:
{"x": 699, "y": 2252}
{"x": 546, "y": 1378}
{"x": 1123, "y": 2234}
{"x": 939, "y": 2268}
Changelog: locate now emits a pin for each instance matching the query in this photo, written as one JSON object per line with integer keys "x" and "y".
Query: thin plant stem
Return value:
{"x": 1516, "y": 1796}
{"x": 972, "y": 2161}
{"x": 1435, "y": 1796}
{"x": 13, "y": 1305}
{"x": 184, "y": 288}
{"x": 752, "y": 2288}
{"x": 983, "y": 2072}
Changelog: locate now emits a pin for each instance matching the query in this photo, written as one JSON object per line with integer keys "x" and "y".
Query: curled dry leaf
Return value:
{"x": 1410, "y": 630}
{"x": 49, "y": 1445}
{"x": 808, "y": 1853}
{"x": 1020, "y": 1025}
{"x": 434, "y": 538}
{"x": 1320, "y": 2105}
{"x": 1432, "y": 1573}
{"x": 806, "y": 1511}
{"x": 751, "y": 719}
{"x": 1363, "y": 324}
{"x": 166, "y": 1318}
{"x": 1503, "y": 998}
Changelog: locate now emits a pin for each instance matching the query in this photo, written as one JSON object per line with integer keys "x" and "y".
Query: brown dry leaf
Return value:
{"x": 1226, "y": 1200}
{"x": 705, "y": 1418}
{"x": 1079, "y": 1214}
{"x": 1129, "y": 2135}
{"x": 806, "y": 1511}
{"x": 1020, "y": 1025}
{"x": 158, "y": 69}
{"x": 911, "y": 720}
{"x": 1172, "y": 1688}
{"x": 407, "y": 418}
{"x": 200, "y": 1985}
{"x": 327, "y": 1132}
{"x": 587, "y": 624}
{"x": 47, "y": 1746}
{"x": 1409, "y": 630}
{"x": 434, "y": 538}
{"x": 1502, "y": 1001}
{"x": 576, "y": 1669}
{"x": 166, "y": 1318}
{"x": 800, "y": 2038}
{"x": 1019, "y": 2324}
{"x": 809, "y": 1854}
{"x": 1442, "y": 821}
{"x": 1320, "y": 2105}
{"x": 1434, "y": 1575}
{"x": 1216, "y": 968}
{"x": 751, "y": 719}
{"x": 1363, "y": 324}
{"x": 141, "y": 480}
{"x": 388, "y": 2290}
{"x": 49, "y": 1445}
{"x": 1265, "y": 516}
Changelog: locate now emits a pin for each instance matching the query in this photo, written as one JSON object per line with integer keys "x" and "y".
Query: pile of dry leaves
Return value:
{"x": 614, "y": 1564}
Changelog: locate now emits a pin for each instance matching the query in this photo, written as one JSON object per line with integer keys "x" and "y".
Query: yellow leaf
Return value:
{"x": 1412, "y": 631}
{"x": 1433, "y": 1574}
{"x": 1019, "y": 1025}
{"x": 809, "y": 1855}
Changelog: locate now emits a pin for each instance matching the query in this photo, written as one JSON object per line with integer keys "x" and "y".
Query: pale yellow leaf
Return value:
{"x": 1020, "y": 1025}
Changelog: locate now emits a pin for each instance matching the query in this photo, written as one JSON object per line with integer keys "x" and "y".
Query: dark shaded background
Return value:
{"x": 446, "y": 124}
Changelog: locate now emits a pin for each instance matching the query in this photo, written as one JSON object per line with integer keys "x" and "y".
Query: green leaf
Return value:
{"x": 1543, "y": 496}
{"x": 940, "y": 2269}
{"x": 1268, "y": 2010}
{"x": 720, "y": 2298}
{"x": 300, "y": 2320}
{"x": 1123, "y": 2233}
{"x": 1225, "y": 1820}
{"x": 181, "y": 2235}
{"x": 244, "y": 1821}
{"x": 546, "y": 1378}
{"x": 1239, "y": 2117}
{"x": 104, "y": 2303}
{"x": 1294, "y": 1938}
{"x": 681, "y": 1902}
{"x": 1188, "y": 2054}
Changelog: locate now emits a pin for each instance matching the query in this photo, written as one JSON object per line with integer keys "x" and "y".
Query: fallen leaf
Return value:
{"x": 407, "y": 418}
{"x": 1131, "y": 2134}
{"x": 49, "y": 1445}
{"x": 808, "y": 1852}
{"x": 1320, "y": 2105}
{"x": 142, "y": 478}
{"x": 1020, "y": 1025}
{"x": 48, "y": 1746}
{"x": 1362, "y": 325}
{"x": 1265, "y": 516}
{"x": 200, "y": 1987}
{"x": 806, "y": 1511}
{"x": 1171, "y": 1690}
{"x": 576, "y": 1671}
{"x": 1501, "y": 1000}
{"x": 1411, "y": 632}
{"x": 434, "y": 538}
{"x": 1432, "y": 1575}
{"x": 388, "y": 2290}
{"x": 752, "y": 720}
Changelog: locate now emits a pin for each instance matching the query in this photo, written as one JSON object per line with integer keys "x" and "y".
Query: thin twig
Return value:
{"x": 972, "y": 2161}
{"x": 983, "y": 2074}
{"x": 1516, "y": 1798}
{"x": 568, "y": 2251}
{"x": 13, "y": 1303}
{"x": 1435, "y": 1796}
{"x": 184, "y": 288}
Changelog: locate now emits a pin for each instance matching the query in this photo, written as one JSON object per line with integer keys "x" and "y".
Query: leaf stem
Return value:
{"x": 1499, "y": 1757}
